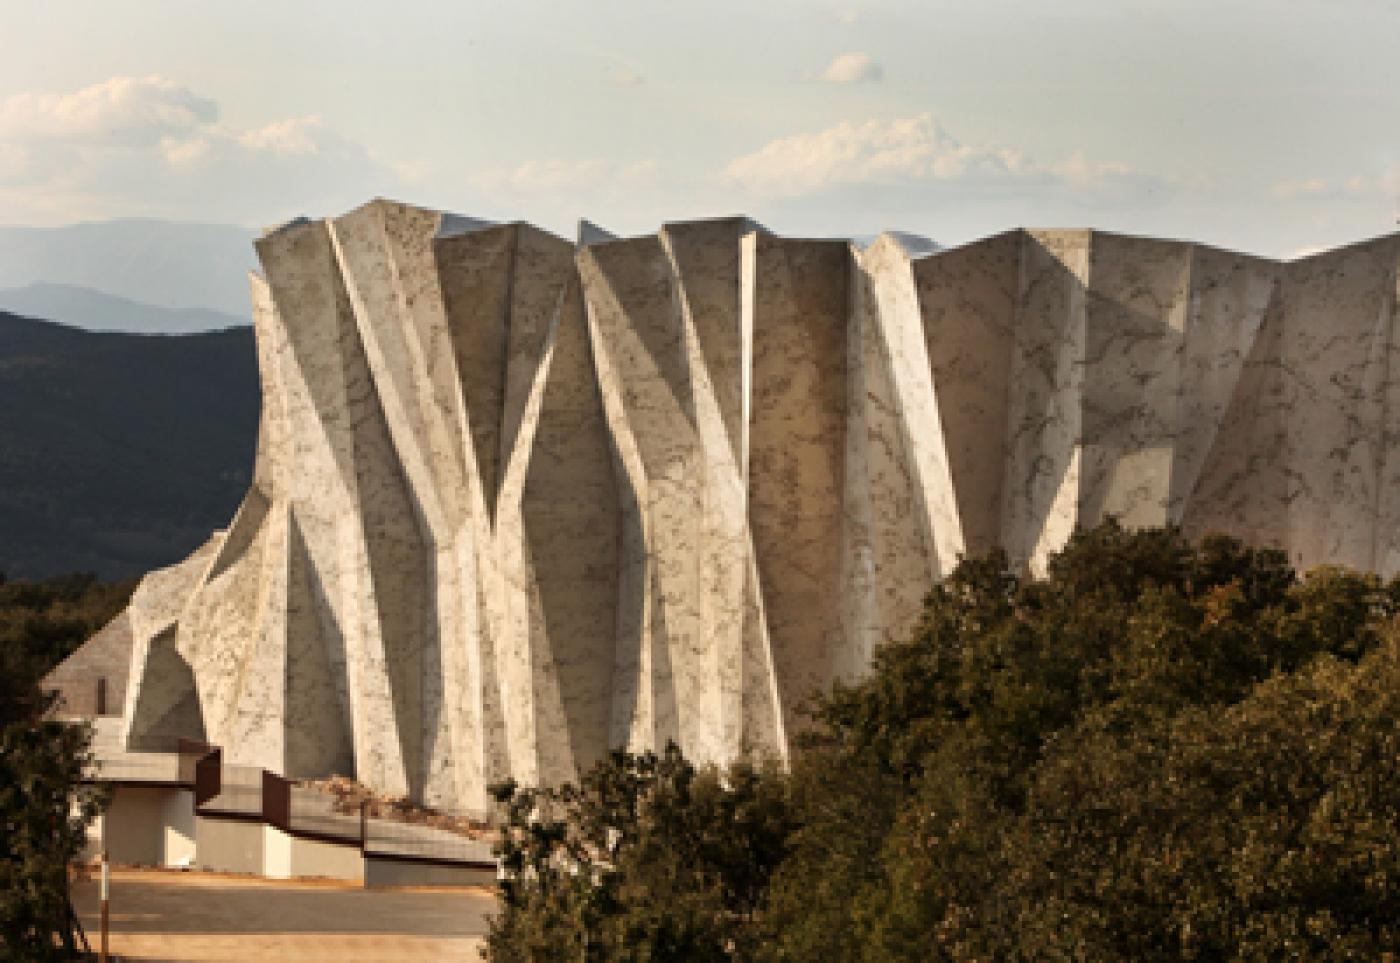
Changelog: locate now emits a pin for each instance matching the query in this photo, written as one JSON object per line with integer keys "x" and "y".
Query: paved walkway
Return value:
{"x": 207, "y": 916}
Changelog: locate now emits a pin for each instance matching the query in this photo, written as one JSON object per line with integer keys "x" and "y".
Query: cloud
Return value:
{"x": 543, "y": 175}
{"x": 150, "y": 146}
{"x": 559, "y": 176}
{"x": 917, "y": 152}
{"x": 132, "y": 109}
{"x": 852, "y": 68}
{"x": 623, "y": 76}
{"x": 1311, "y": 187}
{"x": 1385, "y": 183}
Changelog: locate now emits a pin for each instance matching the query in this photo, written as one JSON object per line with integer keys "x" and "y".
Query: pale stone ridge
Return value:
{"x": 520, "y": 501}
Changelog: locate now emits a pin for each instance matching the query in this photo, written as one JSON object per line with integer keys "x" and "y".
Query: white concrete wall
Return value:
{"x": 229, "y": 845}
{"x": 149, "y": 826}
{"x": 288, "y": 857}
{"x": 177, "y": 816}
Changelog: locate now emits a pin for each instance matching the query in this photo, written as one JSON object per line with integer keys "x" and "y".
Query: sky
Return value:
{"x": 1269, "y": 127}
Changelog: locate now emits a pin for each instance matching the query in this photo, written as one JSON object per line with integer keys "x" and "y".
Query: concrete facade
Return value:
{"x": 519, "y": 501}
{"x": 290, "y": 857}
{"x": 147, "y": 826}
{"x": 231, "y": 845}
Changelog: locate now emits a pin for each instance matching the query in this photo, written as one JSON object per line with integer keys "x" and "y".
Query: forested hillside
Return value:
{"x": 119, "y": 453}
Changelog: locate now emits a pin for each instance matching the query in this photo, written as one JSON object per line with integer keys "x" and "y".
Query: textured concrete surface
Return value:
{"x": 518, "y": 501}
{"x": 105, "y": 660}
{"x": 206, "y": 916}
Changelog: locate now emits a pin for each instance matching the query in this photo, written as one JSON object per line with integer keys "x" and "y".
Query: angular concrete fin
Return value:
{"x": 796, "y": 450}
{"x": 967, "y": 304}
{"x": 1242, "y": 484}
{"x": 639, "y": 333}
{"x": 166, "y": 707}
{"x": 475, "y": 271}
{"x": 317, "y": 737}
{"x": 1136, "y": 314}
{"x": 542, "y": 268}
{"x": 705, "y": 255}
{"x": 306, "y": 287}
{"x": 1387, "y": 547}
{"x": 1331, "y": 305}
{"x": 1045, "y": 404}
{"x": 247, "y": 524}
{"x": 1230, "y": 296}
{"x": 569, "y": 512}
{"x": 887, "y": 562}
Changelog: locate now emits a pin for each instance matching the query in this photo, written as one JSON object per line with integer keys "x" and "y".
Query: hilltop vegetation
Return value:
{"x": 43, "y": 621}
{"x": 119, "y": 453}
{"x": 1160, "y": 751}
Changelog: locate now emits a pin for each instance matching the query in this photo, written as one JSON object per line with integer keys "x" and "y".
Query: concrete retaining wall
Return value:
{"x": 157, "y": 826}
{"x": 229, "y": 845}
{"x": 381, "y": 871}
{"x": 148, "y": 826}
{"x": 286, "y": 857}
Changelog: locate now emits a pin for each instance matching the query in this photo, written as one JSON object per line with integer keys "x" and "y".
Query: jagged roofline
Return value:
{"x": 520, "y": 500}
{"x": 600, "y": 235}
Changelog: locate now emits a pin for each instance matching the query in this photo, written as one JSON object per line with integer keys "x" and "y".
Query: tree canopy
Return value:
{"x": 1160, "y": 750}
{"x": 44, "y": 809}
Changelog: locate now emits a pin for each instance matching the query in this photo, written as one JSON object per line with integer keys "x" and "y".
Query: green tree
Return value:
{"x": 44, "y": 808}
{"x": 1080, "y": 766}
{"x": 1159, "y": 750}
{"x": 648, "y": 859}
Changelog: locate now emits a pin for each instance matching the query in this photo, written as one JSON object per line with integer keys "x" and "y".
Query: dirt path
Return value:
{"x": 205, "y": 916}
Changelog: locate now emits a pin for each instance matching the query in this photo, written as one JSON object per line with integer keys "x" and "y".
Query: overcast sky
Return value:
{"x": 1272, "y": 127}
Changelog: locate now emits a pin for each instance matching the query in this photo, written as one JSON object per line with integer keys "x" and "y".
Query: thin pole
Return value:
{"x": 103, "y": 957}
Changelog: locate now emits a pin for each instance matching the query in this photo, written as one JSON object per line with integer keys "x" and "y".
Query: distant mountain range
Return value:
{"x": 95, "y": 311}
{"x": 166, "y": 264}
{"x": 119, "y": 452}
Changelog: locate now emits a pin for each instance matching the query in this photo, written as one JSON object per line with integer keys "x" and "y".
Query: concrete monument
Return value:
{"x": 518, "y": 501}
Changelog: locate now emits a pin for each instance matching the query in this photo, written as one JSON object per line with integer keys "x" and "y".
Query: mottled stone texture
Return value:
{"x": 519, "y": 501}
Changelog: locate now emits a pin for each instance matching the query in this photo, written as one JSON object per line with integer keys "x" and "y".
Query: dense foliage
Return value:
{"x": 43, "y": 621}
{"x": 648, "y": 859}
{"x": 119, "y": 453}
{"x": 1158, "y": 751}
{"x": 43, "y": 809}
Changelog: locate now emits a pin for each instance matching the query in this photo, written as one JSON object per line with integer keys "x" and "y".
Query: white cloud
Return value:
{"x": 296, "y": 135}
{"x": 557, "y": 176}
{"x": 918, "y": 152}
{"x": 1311, "y": 187}
{"x": 852, "y": 68}
{"x": 1384, "y": 183}
{"x": 151, "y": 146}
{"x": 543, "y": 175}
{"x": 623, "y": 76}
{"x": 129, "y": 108}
